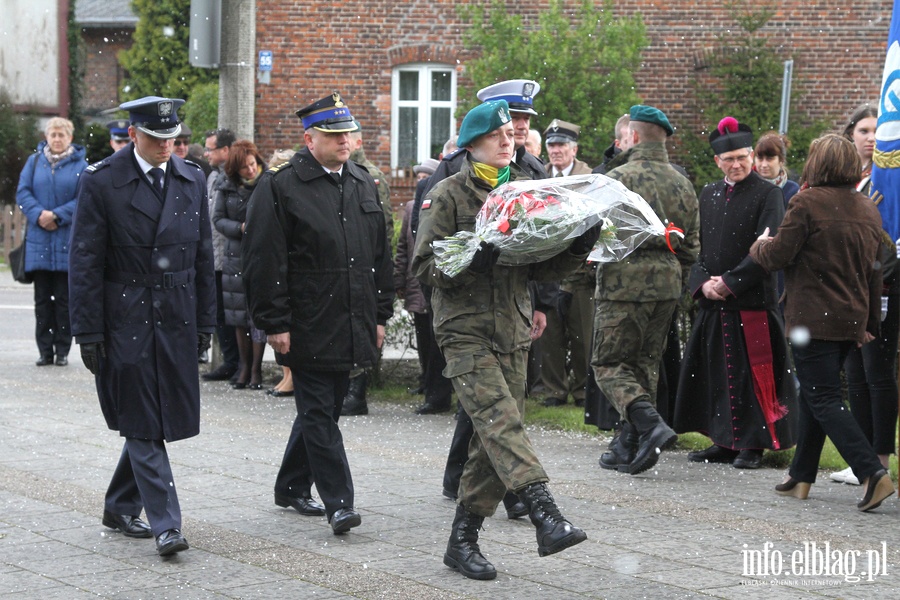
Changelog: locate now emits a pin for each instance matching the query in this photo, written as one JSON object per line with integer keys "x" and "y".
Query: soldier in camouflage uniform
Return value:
{"x": 355, "y": 401}
{"x": 482, "y": 321}
{"x": 637, "y": 296}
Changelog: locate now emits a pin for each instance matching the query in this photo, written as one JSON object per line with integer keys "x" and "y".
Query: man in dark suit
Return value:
{"x": 143, "y": 308}
{"x": 319, "y": 281}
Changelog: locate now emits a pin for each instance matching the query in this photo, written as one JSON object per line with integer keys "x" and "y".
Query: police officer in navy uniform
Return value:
{"x": 143, "y": 307}
{"x": 118, "y": 134}
{"x": 319, "y": 281}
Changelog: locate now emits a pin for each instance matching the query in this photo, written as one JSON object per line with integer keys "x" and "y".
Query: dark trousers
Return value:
{"x": 225, "y": 333}
{"x": 822, "y": 412}
{"x": 872, "y": 382}
{"x": 459, "y": 454}
{"x": 438, "y": 388}
{"x": 51, "y": 313}
{"x": 315, "y": 448}
{"x": 143, "y": 480}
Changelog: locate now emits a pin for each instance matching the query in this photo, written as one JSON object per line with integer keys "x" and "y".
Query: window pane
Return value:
{"x": 409, "y": 85}
{"x": 408, "y": 131}
{"x": 440, "y": 130}
{"x": 440, "y": 85}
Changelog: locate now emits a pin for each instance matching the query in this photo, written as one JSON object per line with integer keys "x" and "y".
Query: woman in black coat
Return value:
{"x": 243, "y": 168}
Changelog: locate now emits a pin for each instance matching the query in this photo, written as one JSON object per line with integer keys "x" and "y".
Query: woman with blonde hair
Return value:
{"x": 829, "y": 246}
{"x": 46, "y": 196}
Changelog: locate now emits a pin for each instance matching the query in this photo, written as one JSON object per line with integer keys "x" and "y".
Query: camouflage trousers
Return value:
{"x": 567, "y": 331}
{"x": 491, "y": 389}
{"x": 629, "y": 340}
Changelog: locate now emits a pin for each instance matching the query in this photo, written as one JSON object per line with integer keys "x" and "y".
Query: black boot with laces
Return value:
{"x": 463, "y": 553}
{"x": 554, "y": 532}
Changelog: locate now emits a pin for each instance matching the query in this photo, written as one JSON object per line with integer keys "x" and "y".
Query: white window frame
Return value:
{"x": 424, "y": 104}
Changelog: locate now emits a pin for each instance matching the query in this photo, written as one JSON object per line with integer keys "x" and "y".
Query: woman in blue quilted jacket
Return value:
{"x": 46, "y": 196}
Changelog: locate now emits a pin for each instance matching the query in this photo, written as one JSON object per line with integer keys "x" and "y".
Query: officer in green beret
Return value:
{"x": 482, "y": 321}
{"x": 637, "y": 297}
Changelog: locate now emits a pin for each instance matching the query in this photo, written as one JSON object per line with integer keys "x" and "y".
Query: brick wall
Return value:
{"x": 103, "y": 75}
{"x": 838, "y": 49}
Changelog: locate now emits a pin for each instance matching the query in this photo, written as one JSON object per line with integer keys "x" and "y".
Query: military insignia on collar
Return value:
{"x": 165, "y": 108}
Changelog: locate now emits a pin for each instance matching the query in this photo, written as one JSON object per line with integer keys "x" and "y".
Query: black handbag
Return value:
{"x": 17, "y": 264}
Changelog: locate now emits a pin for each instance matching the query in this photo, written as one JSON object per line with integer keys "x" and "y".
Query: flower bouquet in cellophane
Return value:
{"x": 531, "y": 221}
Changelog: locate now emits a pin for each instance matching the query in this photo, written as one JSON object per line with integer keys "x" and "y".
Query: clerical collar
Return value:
{"x": 145, "y": 166}
{"x": 729, "y": 182}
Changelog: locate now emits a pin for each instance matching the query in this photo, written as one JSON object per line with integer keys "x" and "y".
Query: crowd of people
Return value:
{"x": 794, "y": 284}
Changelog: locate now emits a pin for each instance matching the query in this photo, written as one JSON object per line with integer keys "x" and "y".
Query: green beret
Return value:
{"x": 649, "y": 114}
{"x": 483, "y": 119}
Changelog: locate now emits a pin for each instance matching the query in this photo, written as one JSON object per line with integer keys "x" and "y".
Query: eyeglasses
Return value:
{"x": 208, "y": 150}
{"x": 730, "y": 160}
{"x": 182, "y": 143}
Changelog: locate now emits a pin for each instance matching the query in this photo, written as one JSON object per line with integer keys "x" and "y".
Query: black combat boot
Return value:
{"x": 622, "y": 450}
{"x": 463, "y": 553}
{"x": 655, "y": 435}
{"x": 355, "y": 400}
{"x": 554, "y": 532}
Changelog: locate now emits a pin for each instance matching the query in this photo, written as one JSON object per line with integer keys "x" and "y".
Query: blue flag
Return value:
{"x": 885, "y": 189}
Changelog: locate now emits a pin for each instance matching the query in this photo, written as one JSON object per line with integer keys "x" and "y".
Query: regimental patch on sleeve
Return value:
{"x": 426, "y": 203}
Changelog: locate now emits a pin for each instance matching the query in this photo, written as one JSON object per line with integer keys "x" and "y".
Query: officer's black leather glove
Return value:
{"x": 585, "y": 242}
{"x": 485, "y": 258}
{"x": 91, "y": 355}
{"x": 203, "y": 342}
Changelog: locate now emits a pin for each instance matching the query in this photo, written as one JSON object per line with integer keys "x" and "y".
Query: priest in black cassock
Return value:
{"x": 735, "y": 385}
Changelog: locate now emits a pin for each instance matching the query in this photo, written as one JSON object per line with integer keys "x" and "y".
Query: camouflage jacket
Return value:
{"x": 491, "y": 309}
{"x": 652, "y": 272}
{"x": 383, "y": 184}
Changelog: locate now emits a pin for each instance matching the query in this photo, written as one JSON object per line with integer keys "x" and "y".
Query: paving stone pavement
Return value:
{"x": 681, "y": 530}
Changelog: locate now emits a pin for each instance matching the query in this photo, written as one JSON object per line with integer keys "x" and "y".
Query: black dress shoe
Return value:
{"x": 282, "y": 393}
{"x": 130, "y": 526}
{"x": 62, "y": 361}
{"x": 554, "y": 402}
{"x": 304, "y": 505}
{"x": 748, "y": 459}
{"x": 448, "y": 494}
{"x": 44, "y": 361}
{"x": 238, "y": 385}
{"x": 254, "y": 386}
{"x": 169, "y": 542}
{"x": 344, "y": 519}
{"x": 714, "y": 454}
{"x": 220, "y": 373}
{"x": 516, "y": 511}
{"x": 433, "y": 408}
